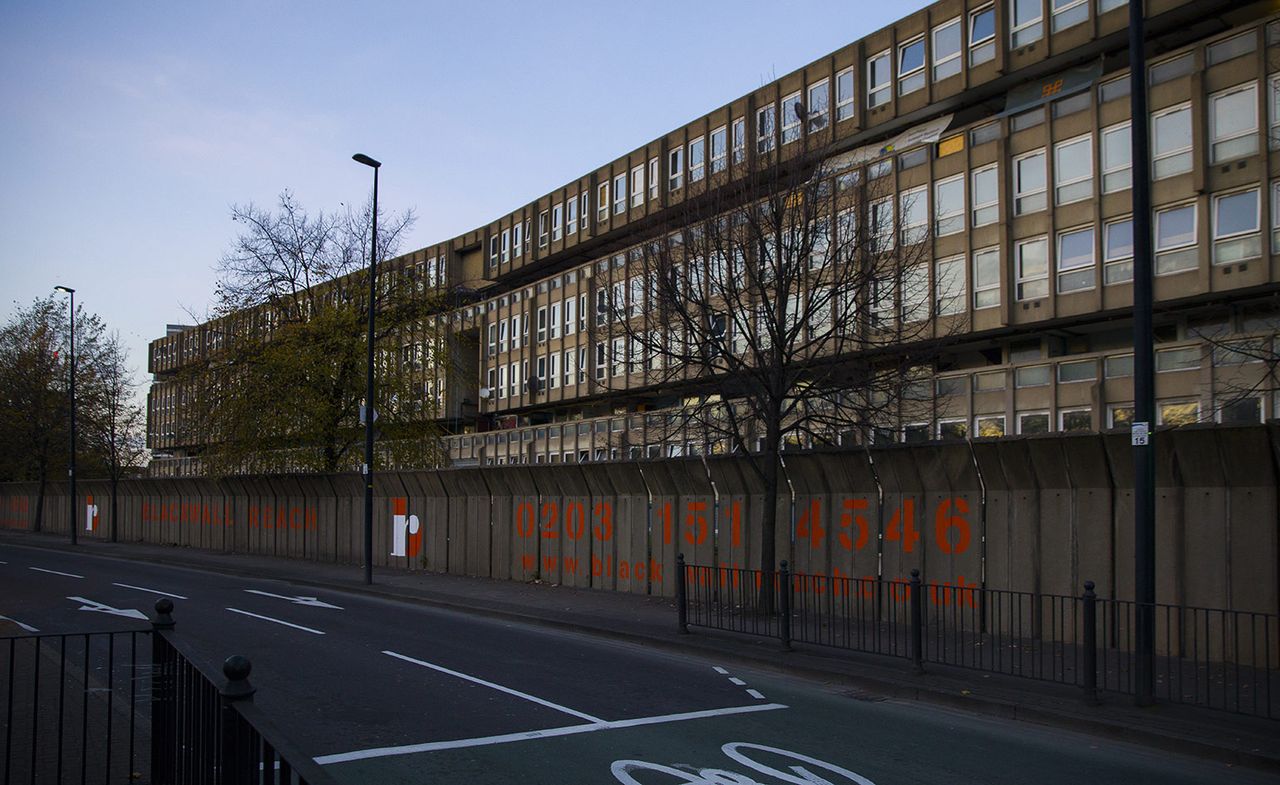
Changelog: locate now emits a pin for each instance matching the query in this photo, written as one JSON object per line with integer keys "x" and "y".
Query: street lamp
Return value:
{"x": 72, "y": 363}
{"x": 361, "y": 158}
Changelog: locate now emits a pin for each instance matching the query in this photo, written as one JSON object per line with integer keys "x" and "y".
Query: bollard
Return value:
{"x": 1090, "y": 644}
{"x": 784, "y": 610}
{"x": 917, "y": 623}
{"x": 682, "y": 604}
{"x": 164, "y": 706}
{"x": 236, "y": 760}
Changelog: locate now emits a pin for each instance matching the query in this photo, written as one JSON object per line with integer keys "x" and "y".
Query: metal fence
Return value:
{"x": 1220, "y": 659}
{"x": 112, "y": 707}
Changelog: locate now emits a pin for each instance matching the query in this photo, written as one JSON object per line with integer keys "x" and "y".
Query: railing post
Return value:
{"x": 682, "y": 596}
{"x": 784, "y": 611}
{"x": 163, "y": 696}
{"x": 235, "y": 761}
{"x": 917, "y": 623}
{"x": 1090, "y": 644}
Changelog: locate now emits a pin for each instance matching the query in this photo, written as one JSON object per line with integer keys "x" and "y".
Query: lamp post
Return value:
{"x": 71, "y": 361}
{"x": 368, "y": 395}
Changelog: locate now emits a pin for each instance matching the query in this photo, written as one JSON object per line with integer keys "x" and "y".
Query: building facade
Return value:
{"x": 998, "y": 135}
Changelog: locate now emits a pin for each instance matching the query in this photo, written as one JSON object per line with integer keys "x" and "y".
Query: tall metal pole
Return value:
{"x": 368, "y": 396}
{"x": 71, "y": 362}
{"x": 1144, "y": 496}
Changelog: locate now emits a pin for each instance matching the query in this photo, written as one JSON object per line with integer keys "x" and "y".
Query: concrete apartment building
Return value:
{"x": 1001, "y": 132}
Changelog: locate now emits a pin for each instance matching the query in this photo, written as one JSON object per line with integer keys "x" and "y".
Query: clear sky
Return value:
{"x": 127, "y": 129}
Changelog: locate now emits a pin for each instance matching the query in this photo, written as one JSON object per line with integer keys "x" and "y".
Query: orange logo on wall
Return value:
{"x": 90, "y": 514}
{"x": 406, "y": 531}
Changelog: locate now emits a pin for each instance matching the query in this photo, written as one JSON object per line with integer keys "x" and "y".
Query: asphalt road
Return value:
{"x": 390, "y": 692}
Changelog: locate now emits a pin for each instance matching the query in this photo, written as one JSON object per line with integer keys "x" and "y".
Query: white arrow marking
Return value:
{"x": 26, "y": 627}
{"x": 55, "y": 572}
{"x": 90, "y": 605}
{"x": 312, "y": 601}
{"x": 150, "y": 591}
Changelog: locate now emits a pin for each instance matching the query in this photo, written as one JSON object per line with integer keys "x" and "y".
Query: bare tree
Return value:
{"x": 1246, "y": 363}
{"x": 281, "y": 378}
{"x": 793, "y": 306}
{"x": 115, "y": 425}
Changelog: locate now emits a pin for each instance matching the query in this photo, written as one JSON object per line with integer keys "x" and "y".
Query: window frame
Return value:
{"x": 1250, "y": 134}
{"x": 1167, "y": 251}
{"x": 1216, "y": 239}
{"x": 820, "y": 118}
{"x": 1091, "y": 266}
{"x": 1042, "y": 191}
{"x": 879, "y": 94}
{"x": 637, "y": 185}
{"x": 940, "y": 219}
{"x": 1072, "y": 178}
{"x": 979, "y": 288}
{"x": 1016, "y": 28}
{"x": 937, "y": 62}
{"x": 697, "y": 159}
{"x": 1110, "y": 169}
{"x": 1023, "y": 280}
{"x": 719, "y": 161}
{"x": 1110, "y": 262}
{"x": 975, "y": 207}
{"x": 675, "y": 169}
{"x": 1170, "y": 155}
{"x": 981, "y": 50}
{"x": 766, "y": 128}
{"x": 907, "y": 83}
{"x": 846, "y": 108}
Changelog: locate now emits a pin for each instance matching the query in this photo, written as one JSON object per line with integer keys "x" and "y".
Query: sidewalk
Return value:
{"x": 651, "y": 621}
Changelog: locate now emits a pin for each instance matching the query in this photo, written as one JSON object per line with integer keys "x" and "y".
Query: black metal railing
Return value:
{"x": 1220, "y": 659}
{"x": 130, "y": 706}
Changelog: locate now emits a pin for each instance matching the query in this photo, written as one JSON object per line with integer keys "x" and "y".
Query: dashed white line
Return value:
{"x": 277, "y": 621}
{"x": 409, "y": 749}
{"x": 55, "y": 572}
{"x": 150, "y": 591}
{"x": 737, "y": 681}
{"x": 756, "y": 694}
{"x": 720, "y": 670}
{"x": 498, "y": 687}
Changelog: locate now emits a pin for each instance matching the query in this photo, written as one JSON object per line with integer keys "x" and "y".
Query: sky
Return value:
{"x": 129, "y": 129}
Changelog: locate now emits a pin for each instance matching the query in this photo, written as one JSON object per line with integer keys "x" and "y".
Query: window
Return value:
{"x": 764, "y": 129}
{"x": 1236, "y": 227}
{"x": 602, "y": 201}
{"x": 555, "y": 320}
{"x": 989, "y": 426}
{"x": 791, "y": 118}
{"x": 1233, "y": 122}
{"x": 949, "y": 283}
{"x": 1172, "y": 68}
{"x": 1177, "y": 413}
{"x": 617, "y": 360}
{"x": 1275, "y": 217}
{"x": 541, "y": 373}
{"x": 675, "y": 169}
{"x": 739, "y": 140}
{"x": 502, "y": 335}
{"x": 719, "y": 150}
{"x": 516, "y": 239}
{"x": 1031, "y": 376}
{"x": 586, "y": 209}
{"x": 953, "y": 429}
{"x": 569, "y": 372}
{"x": 501, "y": 388}
{"x": 601, "y": 365}
{"x": 1241, "y": 411}
{"x": 915, "y": 293}
{"x": 879, "y": 168}
{"x": 1274, "y": 102}
{"x": 883, "y": 297}
{"x": 653, "y": 178}
{"x": 582, "y": 365}
{"x": 637, "y": 185}
{"x": 948, "y": 205}
{"x": 913, "y": 158}
{"x": 1033, "y": 268}
{"x": 514, "y": 378}
{"x": 982, "y": 35}
{"x": 1120, "y": 416}
{"x": 1030, "y": 423}
{"x": 493, "y": 339}
{"x": 557, "y": 222}
{"x": 911, "y": 66}
{"x": 992, "y": 381}
{"x": 697, "y": 159}
{"x": 882, "y": 228}
{"x": 582, "y": 312}
{"x": 1028, "y": 119}
{"x": 844, "y": 95}
{"x": 554, "y": 370}
{"x": 946, "y": 387}
{"x": 1028, "y": 183}
{"x": 1069, "y": 106}
{"x": 506, "y": 245}
{"x": 571, "y": 216}
{"x": 1118, "y": 366}
{"x": 1114, "y": 89}
{"x": 1075, "y": 260}
{"x": 1186, "y": 358}
{"x": 1069, "y": 13}
{"x": 986, "y": 278}
{"x": 1080, "y": 371}
{"x": 986, "y": 195}
{"x": 946, "y": 49}
{"x": 819, "y": 105}
{"x": 1117, "y": 158}
{"x": 543, "y": 230}
{"x": 1171, "y": 141}
{"x": 542, "y": 324}
{"x": 878, "y": 80}
{"x": 915, "y": 215}
{"x": 1176, "y": 239}
{"x": 984, "y": 133}
{"x": 620, "y": 194}
{"x": 1111, "y": 5}
{"x": 570, "y": 316}
{"x": 1025, "y": 25}
{"x": 1231, "y": 48}
{"x": 1073, "y": 170}
{"x": 1075, "y": 420}
{"x": 1117, "y": 251}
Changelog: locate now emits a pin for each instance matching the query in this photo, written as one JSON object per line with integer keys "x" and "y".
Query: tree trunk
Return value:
{"x": 769, "y": 524}
{"x": 39, "y": 519}
{"x": 115, "y": 483}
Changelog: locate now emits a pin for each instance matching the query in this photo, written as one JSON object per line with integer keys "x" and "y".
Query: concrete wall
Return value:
{"x": 1036, "y": 514}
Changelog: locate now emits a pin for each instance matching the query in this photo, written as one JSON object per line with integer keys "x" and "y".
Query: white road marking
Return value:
{"x": 55, "y": 572}
{"x": 97, "y": 607}
{"x": 755, "y": 694}
{"x": 150, "y": 591}
{"x": 312, "y": 601}
{"x": 484, "y": 741}
{"x": 26, "y": 627}
{"x": 277, "y": 621}
{"x": 720, "y": 670}
{"x": 737, "y": 681}
{"x": 498, "y": 687}
{"x": 4, "y": 562}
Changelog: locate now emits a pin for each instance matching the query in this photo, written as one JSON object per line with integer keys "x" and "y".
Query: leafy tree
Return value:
{"x": 279, "y": 376}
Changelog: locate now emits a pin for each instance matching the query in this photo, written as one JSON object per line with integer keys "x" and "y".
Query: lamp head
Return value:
{"x": 361, "y": 158}
{"x": 66, "y": 289}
